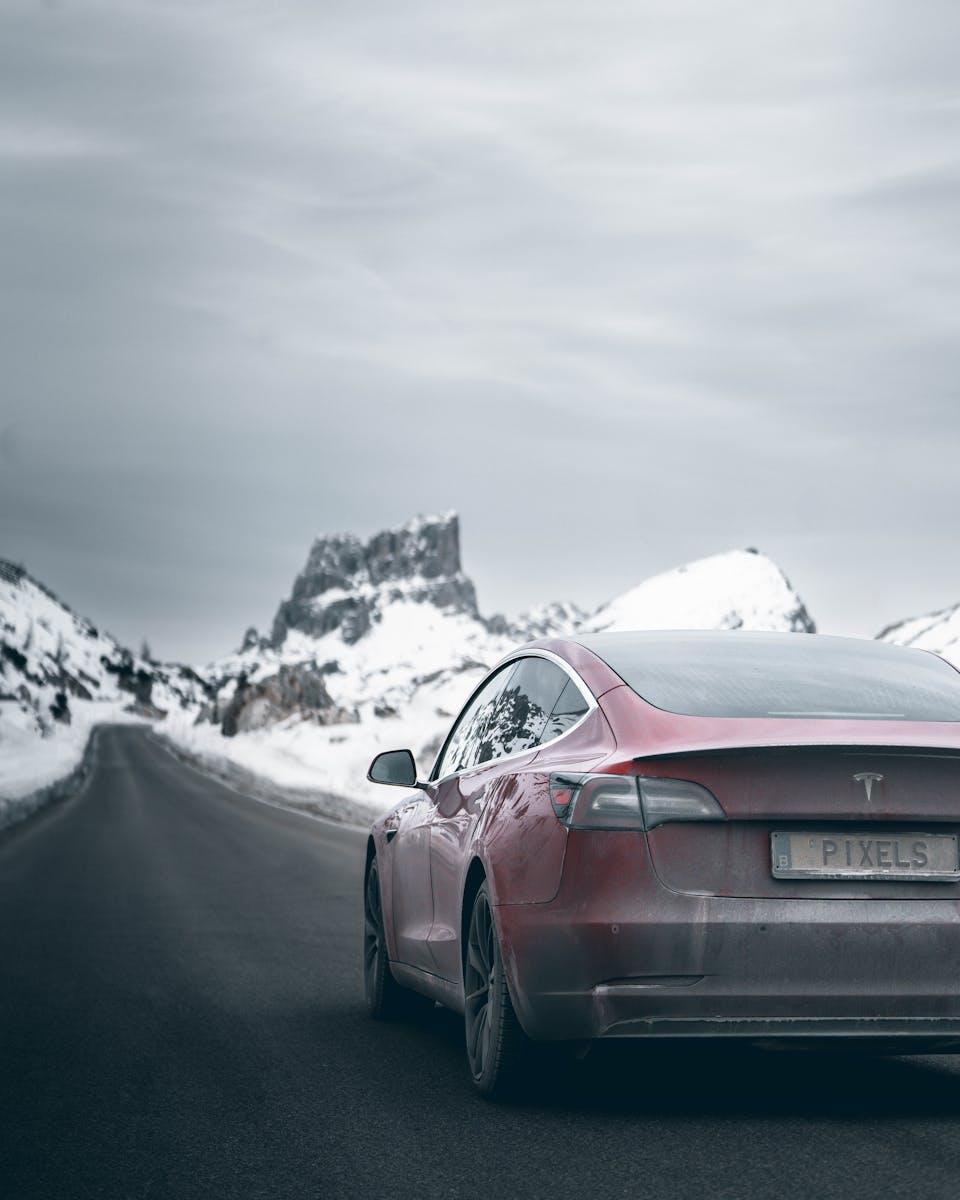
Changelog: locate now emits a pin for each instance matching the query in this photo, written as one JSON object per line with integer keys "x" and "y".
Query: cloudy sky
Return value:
{"x": 625, "y": 283}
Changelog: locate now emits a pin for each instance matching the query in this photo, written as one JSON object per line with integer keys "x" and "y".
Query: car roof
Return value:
{"x": 717, "y": 641}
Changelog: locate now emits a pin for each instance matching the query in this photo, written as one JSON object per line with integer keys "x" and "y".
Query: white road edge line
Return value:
{"x": 166, "y": 745}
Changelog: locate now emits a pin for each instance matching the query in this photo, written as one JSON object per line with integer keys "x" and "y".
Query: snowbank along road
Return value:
{"x": 180, "y": 1016}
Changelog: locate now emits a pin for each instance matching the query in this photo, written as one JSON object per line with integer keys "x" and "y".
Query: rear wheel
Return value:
{"x": 385, "y": 998}
{"x": 496, "y": 1045}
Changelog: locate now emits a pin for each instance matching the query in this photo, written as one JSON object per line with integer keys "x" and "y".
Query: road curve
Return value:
{"x": 180, "y": 1016}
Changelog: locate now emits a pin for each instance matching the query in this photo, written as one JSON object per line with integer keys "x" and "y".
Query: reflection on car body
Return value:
{"x": 648, "y": 835}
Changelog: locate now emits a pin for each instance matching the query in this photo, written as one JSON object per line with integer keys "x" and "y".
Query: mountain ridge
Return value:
{"x": 378, "y": 643}
{"x": 937, "y": 631}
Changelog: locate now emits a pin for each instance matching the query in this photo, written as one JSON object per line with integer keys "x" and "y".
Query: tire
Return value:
{"x": 386, "y": 1000}
{"x": 497, "y": 1048}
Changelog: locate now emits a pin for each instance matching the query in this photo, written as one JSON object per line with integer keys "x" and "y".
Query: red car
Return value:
{"x": 658, "y": 835}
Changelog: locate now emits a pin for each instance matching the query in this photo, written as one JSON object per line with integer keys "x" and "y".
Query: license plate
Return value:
{"x": 870, "y": 855}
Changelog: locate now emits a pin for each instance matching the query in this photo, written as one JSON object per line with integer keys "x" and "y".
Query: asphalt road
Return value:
{"x": 180, "y": 1016}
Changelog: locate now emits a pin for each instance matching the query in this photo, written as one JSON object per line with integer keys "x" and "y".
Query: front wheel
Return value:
{"x": 496, "y": 1045}
{"x": 385, "y": 998}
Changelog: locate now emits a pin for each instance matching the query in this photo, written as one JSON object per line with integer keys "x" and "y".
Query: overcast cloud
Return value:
{"x": 626, "y": 284}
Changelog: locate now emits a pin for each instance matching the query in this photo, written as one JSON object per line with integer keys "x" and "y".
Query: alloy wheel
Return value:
{"x": 374, "y": 950}
{"x": 497, "y": 1047}
{"x": 479, "y": 982}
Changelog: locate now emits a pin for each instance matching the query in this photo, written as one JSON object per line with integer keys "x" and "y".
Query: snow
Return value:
{"x": 46, "y": 650}
{"x": 364, "y": 588}
{"x": 938, "y": 632}
{"x": 29, "y": 763}
{"x": 423, "y": 521}
{"x": 741, "y": 589}
{"x": 424, "y": 662}
{"x": 421, "y": 661}
{"x": 399, "y": 685}
{"x": 45, "y": 632}
{"x": 299, "y": 753}
{"x": 558, "y": 618}
{"x": 411, "y": 642}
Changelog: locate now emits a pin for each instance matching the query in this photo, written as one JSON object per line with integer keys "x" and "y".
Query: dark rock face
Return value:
{"x": 296, "y": 689}
{"x": 131, "y": 678}
{"x": 10, "y": 571}
{"x": 346, "y": 582}
{"x": 800, "y": 620}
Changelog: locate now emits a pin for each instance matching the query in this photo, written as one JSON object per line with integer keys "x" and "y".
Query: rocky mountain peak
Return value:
{"x": 739, "y": 589}
{"x": 346, "y": 582}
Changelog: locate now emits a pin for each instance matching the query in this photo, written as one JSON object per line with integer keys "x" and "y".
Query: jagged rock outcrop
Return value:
{"x": 346, "y": 582}
{"x": 295, "y": 690}
{"x": 251, "y": 639}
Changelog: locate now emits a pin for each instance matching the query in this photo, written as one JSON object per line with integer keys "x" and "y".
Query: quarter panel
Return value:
{"x": 523, "y": 842}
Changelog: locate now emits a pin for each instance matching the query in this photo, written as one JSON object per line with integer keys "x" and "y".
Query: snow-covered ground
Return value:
{"x": 410, "y": 645}
{"x": 30, "y": 764}
{"x": 300, "y": 753}
{"x": 60, "y": 677}
{"x": 404, "y": 681}
{"x": 378, "y": 647}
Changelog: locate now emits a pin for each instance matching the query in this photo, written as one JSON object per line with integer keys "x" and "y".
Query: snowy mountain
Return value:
{"x": 376, "y": 621}
{"x": 378, "y": 645}
{"x": 59, "y": 676}
{"x": 347, "y": 585}
{"x": 49, "y": 656}
{"x": 381, "y": 642}
{"x": 938, "y": 631}
{"x": 742, "y": 589}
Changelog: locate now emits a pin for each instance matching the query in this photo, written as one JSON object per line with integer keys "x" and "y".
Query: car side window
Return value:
{"x": 567, "y": 711}
{"x": 468, "y": 743}
{"x": 529, "y": 702}
{"x": 526, "y": 703}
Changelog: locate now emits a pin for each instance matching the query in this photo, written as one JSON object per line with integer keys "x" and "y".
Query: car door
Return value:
{"x": 411, "y": 846}
{"x": 505, "y": 736}
{"x": 412, "y": 890}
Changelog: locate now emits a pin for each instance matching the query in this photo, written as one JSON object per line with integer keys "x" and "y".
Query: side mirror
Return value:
{"x": 395, "y": 767}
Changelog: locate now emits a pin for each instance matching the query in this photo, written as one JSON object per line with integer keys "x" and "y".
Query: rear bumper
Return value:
{"x": 905, "y": 1035}
{"x": 642, "y": 961}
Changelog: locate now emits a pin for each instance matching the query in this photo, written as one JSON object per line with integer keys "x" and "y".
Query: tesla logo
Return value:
{"x": 868, "y": 779}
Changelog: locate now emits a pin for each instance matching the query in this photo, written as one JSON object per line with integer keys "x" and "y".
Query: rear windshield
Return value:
{"x": 736, "y": 674}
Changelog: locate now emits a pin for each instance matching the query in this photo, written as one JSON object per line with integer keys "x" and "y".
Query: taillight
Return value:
{"x": 630, "y": 801}
{"x": 677, "y": 800}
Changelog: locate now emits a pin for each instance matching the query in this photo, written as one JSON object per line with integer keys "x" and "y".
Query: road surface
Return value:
{"x": 180, "y": 1016}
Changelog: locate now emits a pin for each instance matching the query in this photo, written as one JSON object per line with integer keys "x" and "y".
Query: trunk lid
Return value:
{"x": 878, "y": 799}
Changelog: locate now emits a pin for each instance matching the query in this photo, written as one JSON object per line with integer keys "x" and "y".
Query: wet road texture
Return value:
{"x": 180, "y": 1016}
